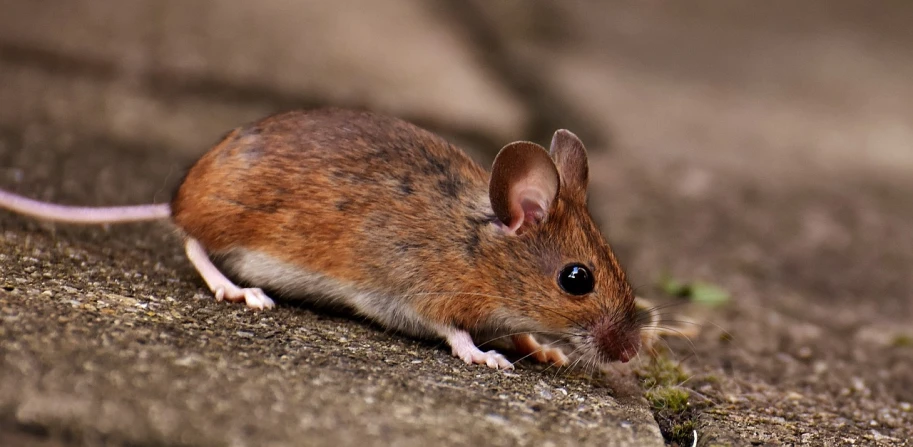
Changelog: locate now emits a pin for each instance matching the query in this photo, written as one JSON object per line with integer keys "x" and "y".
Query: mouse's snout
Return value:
{"x": 616, "y": 339}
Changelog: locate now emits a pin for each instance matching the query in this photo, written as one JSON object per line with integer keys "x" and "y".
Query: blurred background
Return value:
{"x": 765, "y": 147}
{"x": 823, "y": 82}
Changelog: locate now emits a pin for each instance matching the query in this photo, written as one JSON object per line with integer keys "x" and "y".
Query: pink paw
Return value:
{"x": 551, "y": 355}
{"x": 492, "y": 359}
{"x": 528, "y": 346}
{"x": 463, "y": 348}
{"x": 253, "y": 297}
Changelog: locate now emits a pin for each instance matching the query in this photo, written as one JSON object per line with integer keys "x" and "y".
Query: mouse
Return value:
{"x": 367, "y": 211}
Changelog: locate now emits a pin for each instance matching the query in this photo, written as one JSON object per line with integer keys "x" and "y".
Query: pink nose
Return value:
{"x": 616, "y": 340}
{"x": 626, "y": 354}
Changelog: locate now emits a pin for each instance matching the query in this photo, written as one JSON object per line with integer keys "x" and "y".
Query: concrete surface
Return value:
{"x": 764, "y": 147}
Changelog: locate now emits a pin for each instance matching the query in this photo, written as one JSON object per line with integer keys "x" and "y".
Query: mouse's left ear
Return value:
{"x": 570, "y": 156}
{"x": 524, "y": 184}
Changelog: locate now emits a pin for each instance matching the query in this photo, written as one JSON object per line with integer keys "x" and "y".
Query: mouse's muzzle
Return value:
{"x": 615, "y": 339}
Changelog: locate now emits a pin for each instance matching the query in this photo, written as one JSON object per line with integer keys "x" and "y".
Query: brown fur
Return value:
{"x": 379, "y": 203}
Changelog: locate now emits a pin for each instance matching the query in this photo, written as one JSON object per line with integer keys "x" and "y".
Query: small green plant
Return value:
{"x": 902, "y": 341}
{"x": 661, "y": 371}
{"x": 667, "y": 398}
{"x": 683, "y": 434}
{"x": 696, "y": 291}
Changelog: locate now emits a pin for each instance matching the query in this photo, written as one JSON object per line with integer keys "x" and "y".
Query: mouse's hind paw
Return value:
{"x": 254, "y": 298}
{"x": 221, "y": 286}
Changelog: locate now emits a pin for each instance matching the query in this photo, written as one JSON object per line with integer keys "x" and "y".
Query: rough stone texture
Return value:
{"x": 764, "y": 147}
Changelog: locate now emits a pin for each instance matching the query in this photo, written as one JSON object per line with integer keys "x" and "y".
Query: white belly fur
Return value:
{"x": 291, "y": 282}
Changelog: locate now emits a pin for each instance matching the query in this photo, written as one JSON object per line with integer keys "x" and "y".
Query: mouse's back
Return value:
{"x": 353, "y": 196}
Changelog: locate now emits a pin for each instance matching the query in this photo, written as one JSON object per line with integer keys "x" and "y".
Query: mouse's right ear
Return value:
{"x": 524, "y": 183}
{"x": 570, "y": 157}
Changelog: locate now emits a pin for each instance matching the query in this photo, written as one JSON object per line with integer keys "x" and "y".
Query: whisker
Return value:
{"x": 567, "y": 334}
{"x": 661, "y": 325}
{"x": 652, "y": 312}
{"x": 583, "y": 357}
{"x": 667, "y": 304}
{"x": 591, "y": 366}
{"x": 548, "y": 345}
{"x": 728, "y": 334}
{"x": 657, "y": 340}
{"x": 524, "y": 357}
{"x": 568, "y": 367}
{"x": 682, "y": 335}
{"x": 655, "y": 311}
{"x": 666, "y": 323}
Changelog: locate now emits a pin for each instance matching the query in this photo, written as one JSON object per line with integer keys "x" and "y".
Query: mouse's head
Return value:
{"x": 573, "y": 287}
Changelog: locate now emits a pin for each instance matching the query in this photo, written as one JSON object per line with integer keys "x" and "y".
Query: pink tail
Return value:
{"x": 80, "y": 214}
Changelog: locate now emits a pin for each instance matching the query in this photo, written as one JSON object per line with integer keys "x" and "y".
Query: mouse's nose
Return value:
{"x": 616, "y": 340}
{"x": 626, "y": 354}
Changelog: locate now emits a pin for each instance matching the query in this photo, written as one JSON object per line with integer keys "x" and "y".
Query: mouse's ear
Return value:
{"x": 570, "y": 156}
{"x": 524, "y": 183}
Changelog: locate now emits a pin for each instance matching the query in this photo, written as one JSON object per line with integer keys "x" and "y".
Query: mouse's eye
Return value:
{"x": 576, "y": 279}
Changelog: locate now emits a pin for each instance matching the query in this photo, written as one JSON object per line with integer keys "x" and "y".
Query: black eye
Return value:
{"x": 576, "y": 279}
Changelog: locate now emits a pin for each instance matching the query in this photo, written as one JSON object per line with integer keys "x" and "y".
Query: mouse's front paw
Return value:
{"x": 492, "y": 359}
{"x": 527, "y": 345}
{"x": 551, "y": 355}
{"x": 255, "y": 298}
{"x": 463, "y": 348}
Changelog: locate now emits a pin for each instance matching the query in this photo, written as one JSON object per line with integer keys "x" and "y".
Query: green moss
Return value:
{"x": 663, "y": 381}
{"x": 661, "y": 371}
{"x": 674, "y": 414}
{"x": 682, "y": 434}
{"x": 669, "y": 399}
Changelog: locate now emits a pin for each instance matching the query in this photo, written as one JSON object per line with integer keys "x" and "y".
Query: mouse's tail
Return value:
{"x": 82, "y": 215}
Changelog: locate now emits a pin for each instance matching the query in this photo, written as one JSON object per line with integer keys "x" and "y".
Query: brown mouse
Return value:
{"x": 371, "y": 212}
